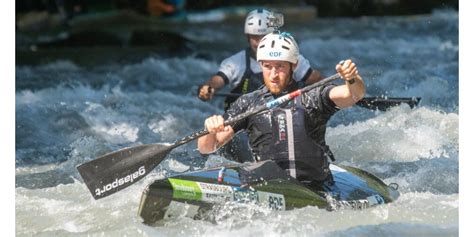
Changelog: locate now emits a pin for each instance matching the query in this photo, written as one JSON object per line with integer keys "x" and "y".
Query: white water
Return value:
{"x": 67, "y": 114}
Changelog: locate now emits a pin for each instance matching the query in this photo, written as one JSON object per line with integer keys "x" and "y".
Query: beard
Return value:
{"x": 276, "y": 90}
{"x": 277, "y": 86}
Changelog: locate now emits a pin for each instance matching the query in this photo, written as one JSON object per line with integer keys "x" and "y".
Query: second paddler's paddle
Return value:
{"x": 373, "y": 103}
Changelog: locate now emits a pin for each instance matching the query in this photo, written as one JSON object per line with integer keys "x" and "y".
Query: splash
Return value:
{"x": 400, "y": 134}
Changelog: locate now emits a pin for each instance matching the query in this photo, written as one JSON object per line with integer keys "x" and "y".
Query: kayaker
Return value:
{"x": 242, "y": 71}
{"x": 292, "y": 135}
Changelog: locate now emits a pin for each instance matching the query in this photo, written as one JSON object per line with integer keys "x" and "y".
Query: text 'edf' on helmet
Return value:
{"x": 278, "y": 46}
{"x": 256, "y": 22}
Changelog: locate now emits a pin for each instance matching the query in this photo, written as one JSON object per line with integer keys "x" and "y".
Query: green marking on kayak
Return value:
{"x": 185, "y": 189}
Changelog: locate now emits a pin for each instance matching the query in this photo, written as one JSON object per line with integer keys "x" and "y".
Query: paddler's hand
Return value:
{"x": 215, "y": 124}
{"x": 348, "y": 70}
{"x": 205, "y": 92}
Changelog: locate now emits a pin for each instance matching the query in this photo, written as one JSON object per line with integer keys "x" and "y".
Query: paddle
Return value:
{"x": 384, "y": 103}
{"x": 373, "y": 103}
{"x": 117, "y": 170}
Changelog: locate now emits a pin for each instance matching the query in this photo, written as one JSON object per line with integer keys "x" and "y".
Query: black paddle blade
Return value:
{"x": 384, "y": 103}
{"x": 117, "y": 170}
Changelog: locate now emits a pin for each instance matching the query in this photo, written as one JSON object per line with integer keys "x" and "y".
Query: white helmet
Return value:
{"x": 278, "y": 46}
{"x": 256, "y": 22}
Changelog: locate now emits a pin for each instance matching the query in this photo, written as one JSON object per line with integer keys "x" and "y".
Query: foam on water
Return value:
{"x": 251, "y": 220}
{"x": 417, "y": 211}
{"x": 400, "y": 135}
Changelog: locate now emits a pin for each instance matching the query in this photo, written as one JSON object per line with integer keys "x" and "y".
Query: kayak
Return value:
{"x": 262, "y": 183}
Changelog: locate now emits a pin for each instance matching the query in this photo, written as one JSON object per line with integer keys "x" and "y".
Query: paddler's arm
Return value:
{"x": 217, "y": 137}
{"x": 353, "y": 90}
{"x": 314, "y": 77}
{"x": 206, "y": 91}
{"x": 304, "y": 72}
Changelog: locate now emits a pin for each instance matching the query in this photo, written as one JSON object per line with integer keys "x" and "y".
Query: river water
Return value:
{"x": 68, "y": 113}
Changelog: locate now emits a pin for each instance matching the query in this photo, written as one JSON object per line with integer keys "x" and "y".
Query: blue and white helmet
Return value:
{"x": 278, "y": 46}
{"x": 256, "y": 22}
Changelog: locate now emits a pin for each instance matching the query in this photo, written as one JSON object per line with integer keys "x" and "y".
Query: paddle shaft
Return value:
{"x": 272, "y": 104}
